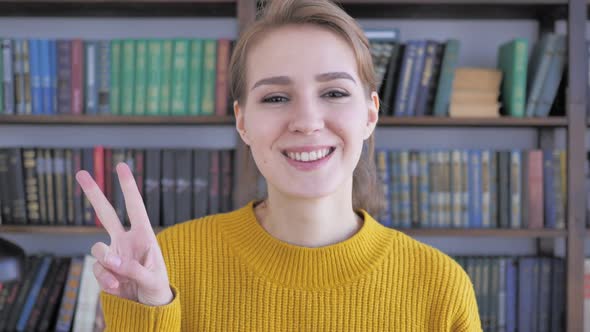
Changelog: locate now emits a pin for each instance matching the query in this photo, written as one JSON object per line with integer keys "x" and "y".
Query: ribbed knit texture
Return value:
{"x": 229, "y": 274}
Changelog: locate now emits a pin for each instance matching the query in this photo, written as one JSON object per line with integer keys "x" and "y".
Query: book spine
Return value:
{"x": 6, "y": 206}
{"x": 535, "y": 188}
{"x": 152, "y": 185}
{"x": 128, "y": 58}
{"x": 77, "y": 79}
{"x": 64, "y": 77}
{"x": 426, "y": 78}
{"x": 49, "y": 312}
{"x": 31, "y": 185}
{"x": 414, "y": 173}
{"x": 42, "y": 190}
{"x": 402, "y": 95}
{"x": 166, "y": 82}
{"x": 27, "y": 78}
{"x": 60, "y": 186}
{"x": 41, "y": 300}
{"x": 69, "y": 186}
{"x": 104, "y": 77}
{"x": 214, "y": 182}
{"x": 46, "y": 76}
{"x": 18, "y": 70}
{"x": 115, "y": 79}
{"x": 424, "y": 189}
{"x": 8, "y": 77}
{"x": 70, "y": 296}
{"x": 99, "y": 174}
{"x": 154, "y": 79}
{"x": 141, "y": 59}
{"x": 37, "y": 281}
{"x": 53, "y": 74}
{"x": 515, "y": 189}
{"x": 19, "y": 205}
{"x": 554, "y": 77}
{"x": 549, "y": 194}
{"x": 447, "y": 75}
{"x": 195, "y": 77}
{"x": 226, "y": 180}
{"x": 221, "y": 89}
{"x": 200, "y": 178}
{"x": 486, "y": 157}
{"x": 209, "y": 79}
{"x": 180, "y": 75}
{"x": 456, "y": 189}
{"x": 91, "y": 92}
{"x": 183, "y": 184}
{"x": 537, "y": 77}
{"x": 383, "y": 172}
{"x": 88, "y": 164}
{"x": 77, "y": 190}
{"x": 168, "y": 188}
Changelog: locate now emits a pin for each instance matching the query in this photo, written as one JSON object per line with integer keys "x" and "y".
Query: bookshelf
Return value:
{"x": 546, "y": 12}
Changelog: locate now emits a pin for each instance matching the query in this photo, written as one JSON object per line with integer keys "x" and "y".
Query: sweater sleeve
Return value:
{"x": 125, "y": 315}
{"x": 466, "y": 317}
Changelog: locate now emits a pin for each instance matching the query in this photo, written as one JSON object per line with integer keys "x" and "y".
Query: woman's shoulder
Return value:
{"x": 424, "y": 258}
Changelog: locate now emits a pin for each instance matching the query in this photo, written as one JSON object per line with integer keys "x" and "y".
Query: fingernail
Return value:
{"x": 114, "y": 260}
{"x": 112, "y": 283}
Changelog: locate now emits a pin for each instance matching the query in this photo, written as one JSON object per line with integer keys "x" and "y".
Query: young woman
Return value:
{"x": 309, "y": 256}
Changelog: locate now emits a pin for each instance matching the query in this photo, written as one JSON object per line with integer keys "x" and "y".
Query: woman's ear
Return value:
{"x": 239, "y": 114}
{"x": 373, "y": 115}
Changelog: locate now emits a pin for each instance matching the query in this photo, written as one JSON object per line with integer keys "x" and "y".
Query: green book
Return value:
{"x": 115, "y": 100}
{"x": 141, "y": 54}
{"x": 180, "y": 74}
{"x": 447, "y": 75}
{"x": 154, "y": 77}
{"x": 513, "y": 61}
{"x": 209, "y": 76}
{"x": 166, "y": 82}
{"x": 128, "y": 77}
{"x": 195, "y": 77}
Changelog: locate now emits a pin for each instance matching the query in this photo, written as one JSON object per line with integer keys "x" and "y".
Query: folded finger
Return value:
{"x": 105, "y": 278}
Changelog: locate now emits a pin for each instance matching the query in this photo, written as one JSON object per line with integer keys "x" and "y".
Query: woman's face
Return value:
{"x": 307, "y": 112}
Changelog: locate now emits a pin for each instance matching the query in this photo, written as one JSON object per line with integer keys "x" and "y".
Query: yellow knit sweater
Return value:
{"x": 229, "y": 274}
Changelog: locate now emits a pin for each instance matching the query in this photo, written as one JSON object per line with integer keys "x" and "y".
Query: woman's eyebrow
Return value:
{"x": 275, "y": 80}
{"x": 334, "y": 76}
{"x": 285, "y": 80}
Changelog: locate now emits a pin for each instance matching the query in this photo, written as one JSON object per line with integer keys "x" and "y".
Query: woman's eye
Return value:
{"x": 336, "y": 94}
{"x": 274, "y": 99}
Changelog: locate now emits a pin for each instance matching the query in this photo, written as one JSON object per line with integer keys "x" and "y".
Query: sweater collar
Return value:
{"x": 302, "y": 267}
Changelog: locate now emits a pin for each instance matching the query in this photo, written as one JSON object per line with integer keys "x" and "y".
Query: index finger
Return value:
{"x": 105, "y": 211}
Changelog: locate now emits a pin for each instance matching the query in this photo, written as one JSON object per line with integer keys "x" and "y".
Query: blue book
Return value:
{"x": 537, "y": 71}
{"x": 90, "y": 77}
{"x": 557, "y": 294}
{"x": 416, "y": 77}
{"x": 405, "y": 189}
{"x": 45, "y": 75}
{"x": 33, "y": 293}
{"x": 426, "y": 78}
{"x": 549, "y": 194}
{"x": 53, "y": 75}
{"x": 554, "y": 76}
{"x": 395, "y": 188}
{"x": 511, "y": 294}
{"x": 403, "y": 87}
{"x": 382, "y": 162}
{"x": 526, "y": 287}
{"x": 424, "y": 189}
{"x": 544, "y": 299}
{"x": 475, "y": 190}
{"x": 35, "y": 72}
{"x": 516, "y": 189}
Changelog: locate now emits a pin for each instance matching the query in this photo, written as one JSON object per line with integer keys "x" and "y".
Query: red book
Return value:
{"x": 535, "y": 186}
{"x": 99, "y": 173}
{"x": 108, "y": 174}
{"x": 77, "y": 76}
{"x": 221, "y": 88}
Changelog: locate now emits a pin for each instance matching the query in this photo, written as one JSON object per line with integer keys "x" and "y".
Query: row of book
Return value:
{"x": 518, "y": 293}
{"x": 473, "y": 188}
{"x": 61, "y": 294}
{"x": 417, "y": 78}
{"x": 38, "y": 186}
{"x": 120, "y": 77}
{"x": 56, "y": 293}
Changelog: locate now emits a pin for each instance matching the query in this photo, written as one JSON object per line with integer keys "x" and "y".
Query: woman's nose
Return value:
{"x": 307, "y": 117}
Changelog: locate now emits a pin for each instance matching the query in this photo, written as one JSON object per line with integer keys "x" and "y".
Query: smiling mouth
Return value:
{"x": 309, "y": 156}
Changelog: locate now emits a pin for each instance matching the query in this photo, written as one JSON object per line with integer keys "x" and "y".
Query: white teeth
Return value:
{"x": 309, "y": 156}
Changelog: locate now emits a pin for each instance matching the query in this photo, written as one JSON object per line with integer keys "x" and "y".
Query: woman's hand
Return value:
{"x": 132, "y": 265}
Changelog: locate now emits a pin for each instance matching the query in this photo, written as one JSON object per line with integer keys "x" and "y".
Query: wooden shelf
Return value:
{"x": 457, "y": 9}
{"x": 116, "y": 120}
{"x": 118, "y": 8}
{"x": 386, "y": 121}
{"x": 512, "y": 233}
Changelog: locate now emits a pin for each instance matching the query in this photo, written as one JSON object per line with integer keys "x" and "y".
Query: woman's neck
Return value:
{"x": 308, "y": 222}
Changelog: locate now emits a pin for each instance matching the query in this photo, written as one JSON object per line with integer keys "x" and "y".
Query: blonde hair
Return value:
{"x": 366, "y": 189}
